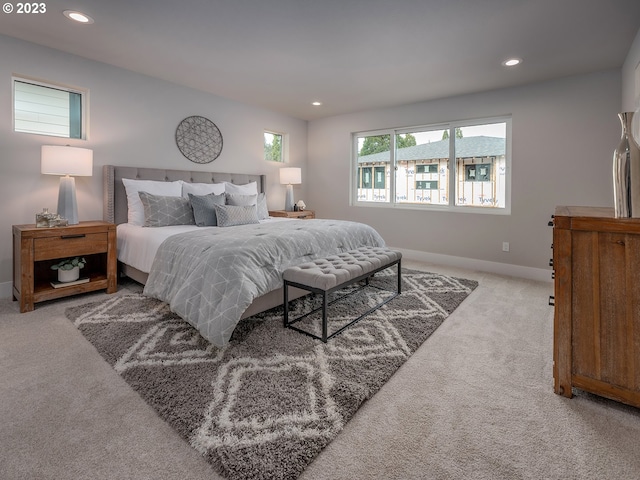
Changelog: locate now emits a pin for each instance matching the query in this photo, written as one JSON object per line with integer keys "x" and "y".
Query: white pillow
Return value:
{"x": 132, "y": 187}
{"x": 247, "y": 189}
{"x": 202, "y": 189}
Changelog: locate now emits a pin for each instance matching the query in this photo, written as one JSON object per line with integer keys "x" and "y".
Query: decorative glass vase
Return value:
{"x": 626, "y": 172}
{"x": 44, "y": 219}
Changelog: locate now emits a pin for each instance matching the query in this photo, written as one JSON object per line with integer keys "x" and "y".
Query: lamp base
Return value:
{"x": 67, "y": 205}
{"x": 288, "y": 203}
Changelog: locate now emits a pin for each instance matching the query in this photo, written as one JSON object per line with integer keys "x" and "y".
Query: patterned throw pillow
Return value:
{"x": 135, "y": 210}
{"x": 204, "y": 210}
{"x": 263, "y": 211}
{"x": 162, "y": 211}
{"x": 231, "y": 215}
{"x": 260, "y": 200}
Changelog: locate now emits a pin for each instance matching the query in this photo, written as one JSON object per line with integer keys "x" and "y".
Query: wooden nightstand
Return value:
{"x": 36, "y": 249}
{"x": 306, "y": 214}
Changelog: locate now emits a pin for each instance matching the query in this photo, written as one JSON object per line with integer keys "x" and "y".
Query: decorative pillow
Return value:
{"x": 162, "y": 211}
{"x": 263, "y": 211}
{"x": 247, "y": 189}
{"x": 204, "y": 210}
{"x": 134, "y": 205}
{"x": 231, "y": 215}
{"x": 241, "y": 200}
{"x": 202, "y": 188}
{"x": 260, "y": 200}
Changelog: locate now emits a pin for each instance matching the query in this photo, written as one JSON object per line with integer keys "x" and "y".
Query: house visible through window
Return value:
{"x": 273, "y": 147}
{"x": 456, "y": 166}
{"x": 47, "y": 109}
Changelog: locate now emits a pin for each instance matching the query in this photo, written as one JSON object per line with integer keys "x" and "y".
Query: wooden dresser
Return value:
{"x": 596, "y": 258}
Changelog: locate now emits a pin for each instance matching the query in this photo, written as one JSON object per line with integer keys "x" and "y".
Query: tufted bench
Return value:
{"x": 326, "y": 275}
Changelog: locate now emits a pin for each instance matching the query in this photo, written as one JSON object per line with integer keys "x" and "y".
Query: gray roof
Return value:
{"x": 465, "y": 147}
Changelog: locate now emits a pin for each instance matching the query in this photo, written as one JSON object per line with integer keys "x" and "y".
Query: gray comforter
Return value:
{"x": 210, "y": 277}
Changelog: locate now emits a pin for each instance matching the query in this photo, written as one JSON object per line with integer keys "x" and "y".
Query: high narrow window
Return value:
{"x": 47, "y": 109}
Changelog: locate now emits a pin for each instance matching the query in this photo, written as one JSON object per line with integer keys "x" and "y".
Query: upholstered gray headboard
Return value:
{"x": 115, "y": 197}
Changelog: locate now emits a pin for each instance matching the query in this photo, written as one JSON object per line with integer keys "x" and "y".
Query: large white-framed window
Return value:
{"x": 455, "y": 166}
{"x": 44, "y": 108}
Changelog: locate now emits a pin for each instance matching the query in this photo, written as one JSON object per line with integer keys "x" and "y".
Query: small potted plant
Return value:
{"x": 69, "y": 268}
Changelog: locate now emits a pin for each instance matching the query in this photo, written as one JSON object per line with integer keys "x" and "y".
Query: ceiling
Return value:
{"x": 351, "y": 55}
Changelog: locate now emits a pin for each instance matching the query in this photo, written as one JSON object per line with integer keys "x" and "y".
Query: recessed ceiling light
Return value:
{"x": 78, "y": 16}
{"x": 512, "y": 62}
{"x": 316, "y": 104}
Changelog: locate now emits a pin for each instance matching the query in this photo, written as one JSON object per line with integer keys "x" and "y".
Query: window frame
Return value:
{"x": 84, "y": 105}
{"x": 451, "y": 205}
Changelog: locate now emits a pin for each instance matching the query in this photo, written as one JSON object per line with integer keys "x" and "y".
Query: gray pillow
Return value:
{"x": 231, "y": 215}
{"x": 241, "y": 200}
{"x": 260, "y": 200}
{"x": 204, "y": 211}
{"x": 263, "y": 211}
{"x": 162, "y": 211}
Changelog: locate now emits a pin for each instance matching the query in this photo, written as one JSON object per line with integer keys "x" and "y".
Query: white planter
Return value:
{"x": 68, "y": 275}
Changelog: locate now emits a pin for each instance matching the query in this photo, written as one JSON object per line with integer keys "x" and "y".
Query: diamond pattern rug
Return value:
{"x": 265, "y": 405}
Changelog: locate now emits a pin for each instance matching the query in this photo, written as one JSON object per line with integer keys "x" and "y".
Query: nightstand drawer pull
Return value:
{"x": 80, "y": 235}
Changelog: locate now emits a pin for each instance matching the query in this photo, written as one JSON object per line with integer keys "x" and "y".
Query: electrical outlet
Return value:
{"x": 505, "y": 246}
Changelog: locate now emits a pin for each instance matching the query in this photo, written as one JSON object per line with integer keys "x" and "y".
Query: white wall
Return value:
{"x": 630, "y": 81}
{"x": 132, "y": 122}
{"x": 564, "y": 133}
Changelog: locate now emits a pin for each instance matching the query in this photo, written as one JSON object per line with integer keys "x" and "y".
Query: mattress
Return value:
{"x": 137, "y": 246}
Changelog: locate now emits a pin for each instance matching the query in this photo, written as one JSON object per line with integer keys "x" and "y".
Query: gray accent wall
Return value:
{"x": 132, "y": 121}
{"x": 630, "y": 88}
{"x": 564, "y": 132}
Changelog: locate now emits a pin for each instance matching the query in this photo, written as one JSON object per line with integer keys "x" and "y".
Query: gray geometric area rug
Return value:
{"x": 265, "y": 405}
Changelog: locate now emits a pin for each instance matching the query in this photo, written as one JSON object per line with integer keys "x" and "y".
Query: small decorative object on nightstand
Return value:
{"x": 304, "y": 214}
{"x": 36, "y": 250}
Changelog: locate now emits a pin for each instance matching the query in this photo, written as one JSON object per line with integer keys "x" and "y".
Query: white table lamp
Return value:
{"x": 290, "y": 176}
{"x": 67, "y": 161}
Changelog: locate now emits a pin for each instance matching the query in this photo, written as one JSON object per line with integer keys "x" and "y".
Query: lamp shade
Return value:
{"x": 65, "y": 160}
{"x": 290, "y": 176}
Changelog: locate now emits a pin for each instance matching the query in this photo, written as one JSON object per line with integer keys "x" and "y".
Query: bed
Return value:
{"x": 214, "y": 276}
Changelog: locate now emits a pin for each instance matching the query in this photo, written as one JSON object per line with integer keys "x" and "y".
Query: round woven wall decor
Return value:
{"x": 199, "y": 139}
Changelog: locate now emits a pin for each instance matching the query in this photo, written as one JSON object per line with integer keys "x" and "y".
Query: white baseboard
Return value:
{"x": 507, "y": 269}
{"x": 6, "y": 289}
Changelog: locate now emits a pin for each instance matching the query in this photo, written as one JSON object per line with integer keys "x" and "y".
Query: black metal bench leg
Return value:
{"x": 399, "y": 275}
{"x": 286, "y": 304}
{"x": 324, "y": 317}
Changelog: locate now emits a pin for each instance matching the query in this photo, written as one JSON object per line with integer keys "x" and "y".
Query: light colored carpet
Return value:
{"x": 475, "y": 401}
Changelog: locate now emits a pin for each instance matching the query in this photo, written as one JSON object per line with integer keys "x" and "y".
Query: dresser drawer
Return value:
{"x": 62, "y": 246}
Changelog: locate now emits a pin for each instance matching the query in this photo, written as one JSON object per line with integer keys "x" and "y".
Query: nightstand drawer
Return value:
{"x": 69, "y": 245}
